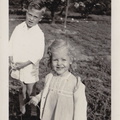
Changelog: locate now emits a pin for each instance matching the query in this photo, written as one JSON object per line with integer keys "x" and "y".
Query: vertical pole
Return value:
{"x": 66, "y": 14}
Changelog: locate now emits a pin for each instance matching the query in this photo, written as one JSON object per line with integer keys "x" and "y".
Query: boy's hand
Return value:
{"x": 13, "y": 66}
{"x": 19, "y": 65}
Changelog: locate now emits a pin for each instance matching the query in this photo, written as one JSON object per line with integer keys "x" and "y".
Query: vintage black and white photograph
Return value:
{"x": 59, "y": 59}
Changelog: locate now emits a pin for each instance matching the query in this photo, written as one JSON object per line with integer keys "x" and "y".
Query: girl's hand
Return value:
{"x": 34, "y": 101}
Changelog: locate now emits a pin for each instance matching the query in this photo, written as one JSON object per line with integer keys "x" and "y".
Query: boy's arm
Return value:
{"x": 80, "y": 103}
{"x": 20, "y": 65}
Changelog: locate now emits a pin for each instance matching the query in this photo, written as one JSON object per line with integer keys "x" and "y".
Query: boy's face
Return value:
{"x": 32, "y": 17}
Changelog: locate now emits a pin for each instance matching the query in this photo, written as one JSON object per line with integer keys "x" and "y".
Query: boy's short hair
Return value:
{"x": 36, "y": 5}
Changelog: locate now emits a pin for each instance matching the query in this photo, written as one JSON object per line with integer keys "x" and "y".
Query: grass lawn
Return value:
{"x": 93, "y": 51}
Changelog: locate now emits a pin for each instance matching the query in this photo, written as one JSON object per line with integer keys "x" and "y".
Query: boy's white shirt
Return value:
{"x": 80, "y": 108}
{"x": 27, "y": 44}
{"x": 29, "y": 40}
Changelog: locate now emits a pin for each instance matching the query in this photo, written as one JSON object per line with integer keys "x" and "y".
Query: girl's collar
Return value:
{"x": 64, "y": 76}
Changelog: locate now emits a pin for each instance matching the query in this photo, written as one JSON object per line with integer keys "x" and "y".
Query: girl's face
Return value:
{"x": 60, "y": 61}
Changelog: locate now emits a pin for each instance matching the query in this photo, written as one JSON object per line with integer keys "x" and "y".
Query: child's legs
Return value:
{"x": 24, "y": 89}
{"x": 22, "y": 98}
{"x": 31, "y": 91}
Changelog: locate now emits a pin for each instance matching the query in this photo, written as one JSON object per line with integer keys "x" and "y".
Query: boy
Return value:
{"x": 26, "y": 49}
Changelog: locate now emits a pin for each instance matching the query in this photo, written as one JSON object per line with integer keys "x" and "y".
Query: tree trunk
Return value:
{"x": 53, "y": 16}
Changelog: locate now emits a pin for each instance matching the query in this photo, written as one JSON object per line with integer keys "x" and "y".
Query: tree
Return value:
{"x": 86, "y": 7}
{"x": 54, "y": 6}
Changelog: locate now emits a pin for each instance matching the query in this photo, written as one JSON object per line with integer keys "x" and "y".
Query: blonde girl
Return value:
{"x": 63, "y": 97}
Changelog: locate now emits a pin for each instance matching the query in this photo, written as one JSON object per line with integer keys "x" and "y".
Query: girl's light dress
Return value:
{"x": 60, "y": 101}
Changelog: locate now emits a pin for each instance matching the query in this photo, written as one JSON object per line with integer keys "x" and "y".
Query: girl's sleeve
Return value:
{"x": 37, "y": 98}
{"x": 80, "y": 108}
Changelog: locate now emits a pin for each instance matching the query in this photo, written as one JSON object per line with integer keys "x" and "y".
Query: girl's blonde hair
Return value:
{"x": 60, "y": 43}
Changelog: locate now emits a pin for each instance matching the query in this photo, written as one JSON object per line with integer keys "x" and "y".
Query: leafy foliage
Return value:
{"x": 86, "y": 7}
{"x": 54, "y": 6}
{"x": 93, "y": 40}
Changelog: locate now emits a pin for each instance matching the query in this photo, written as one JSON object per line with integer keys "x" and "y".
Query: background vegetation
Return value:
{"x": 93, "y": 47}
{"x": 57, "y": 7}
